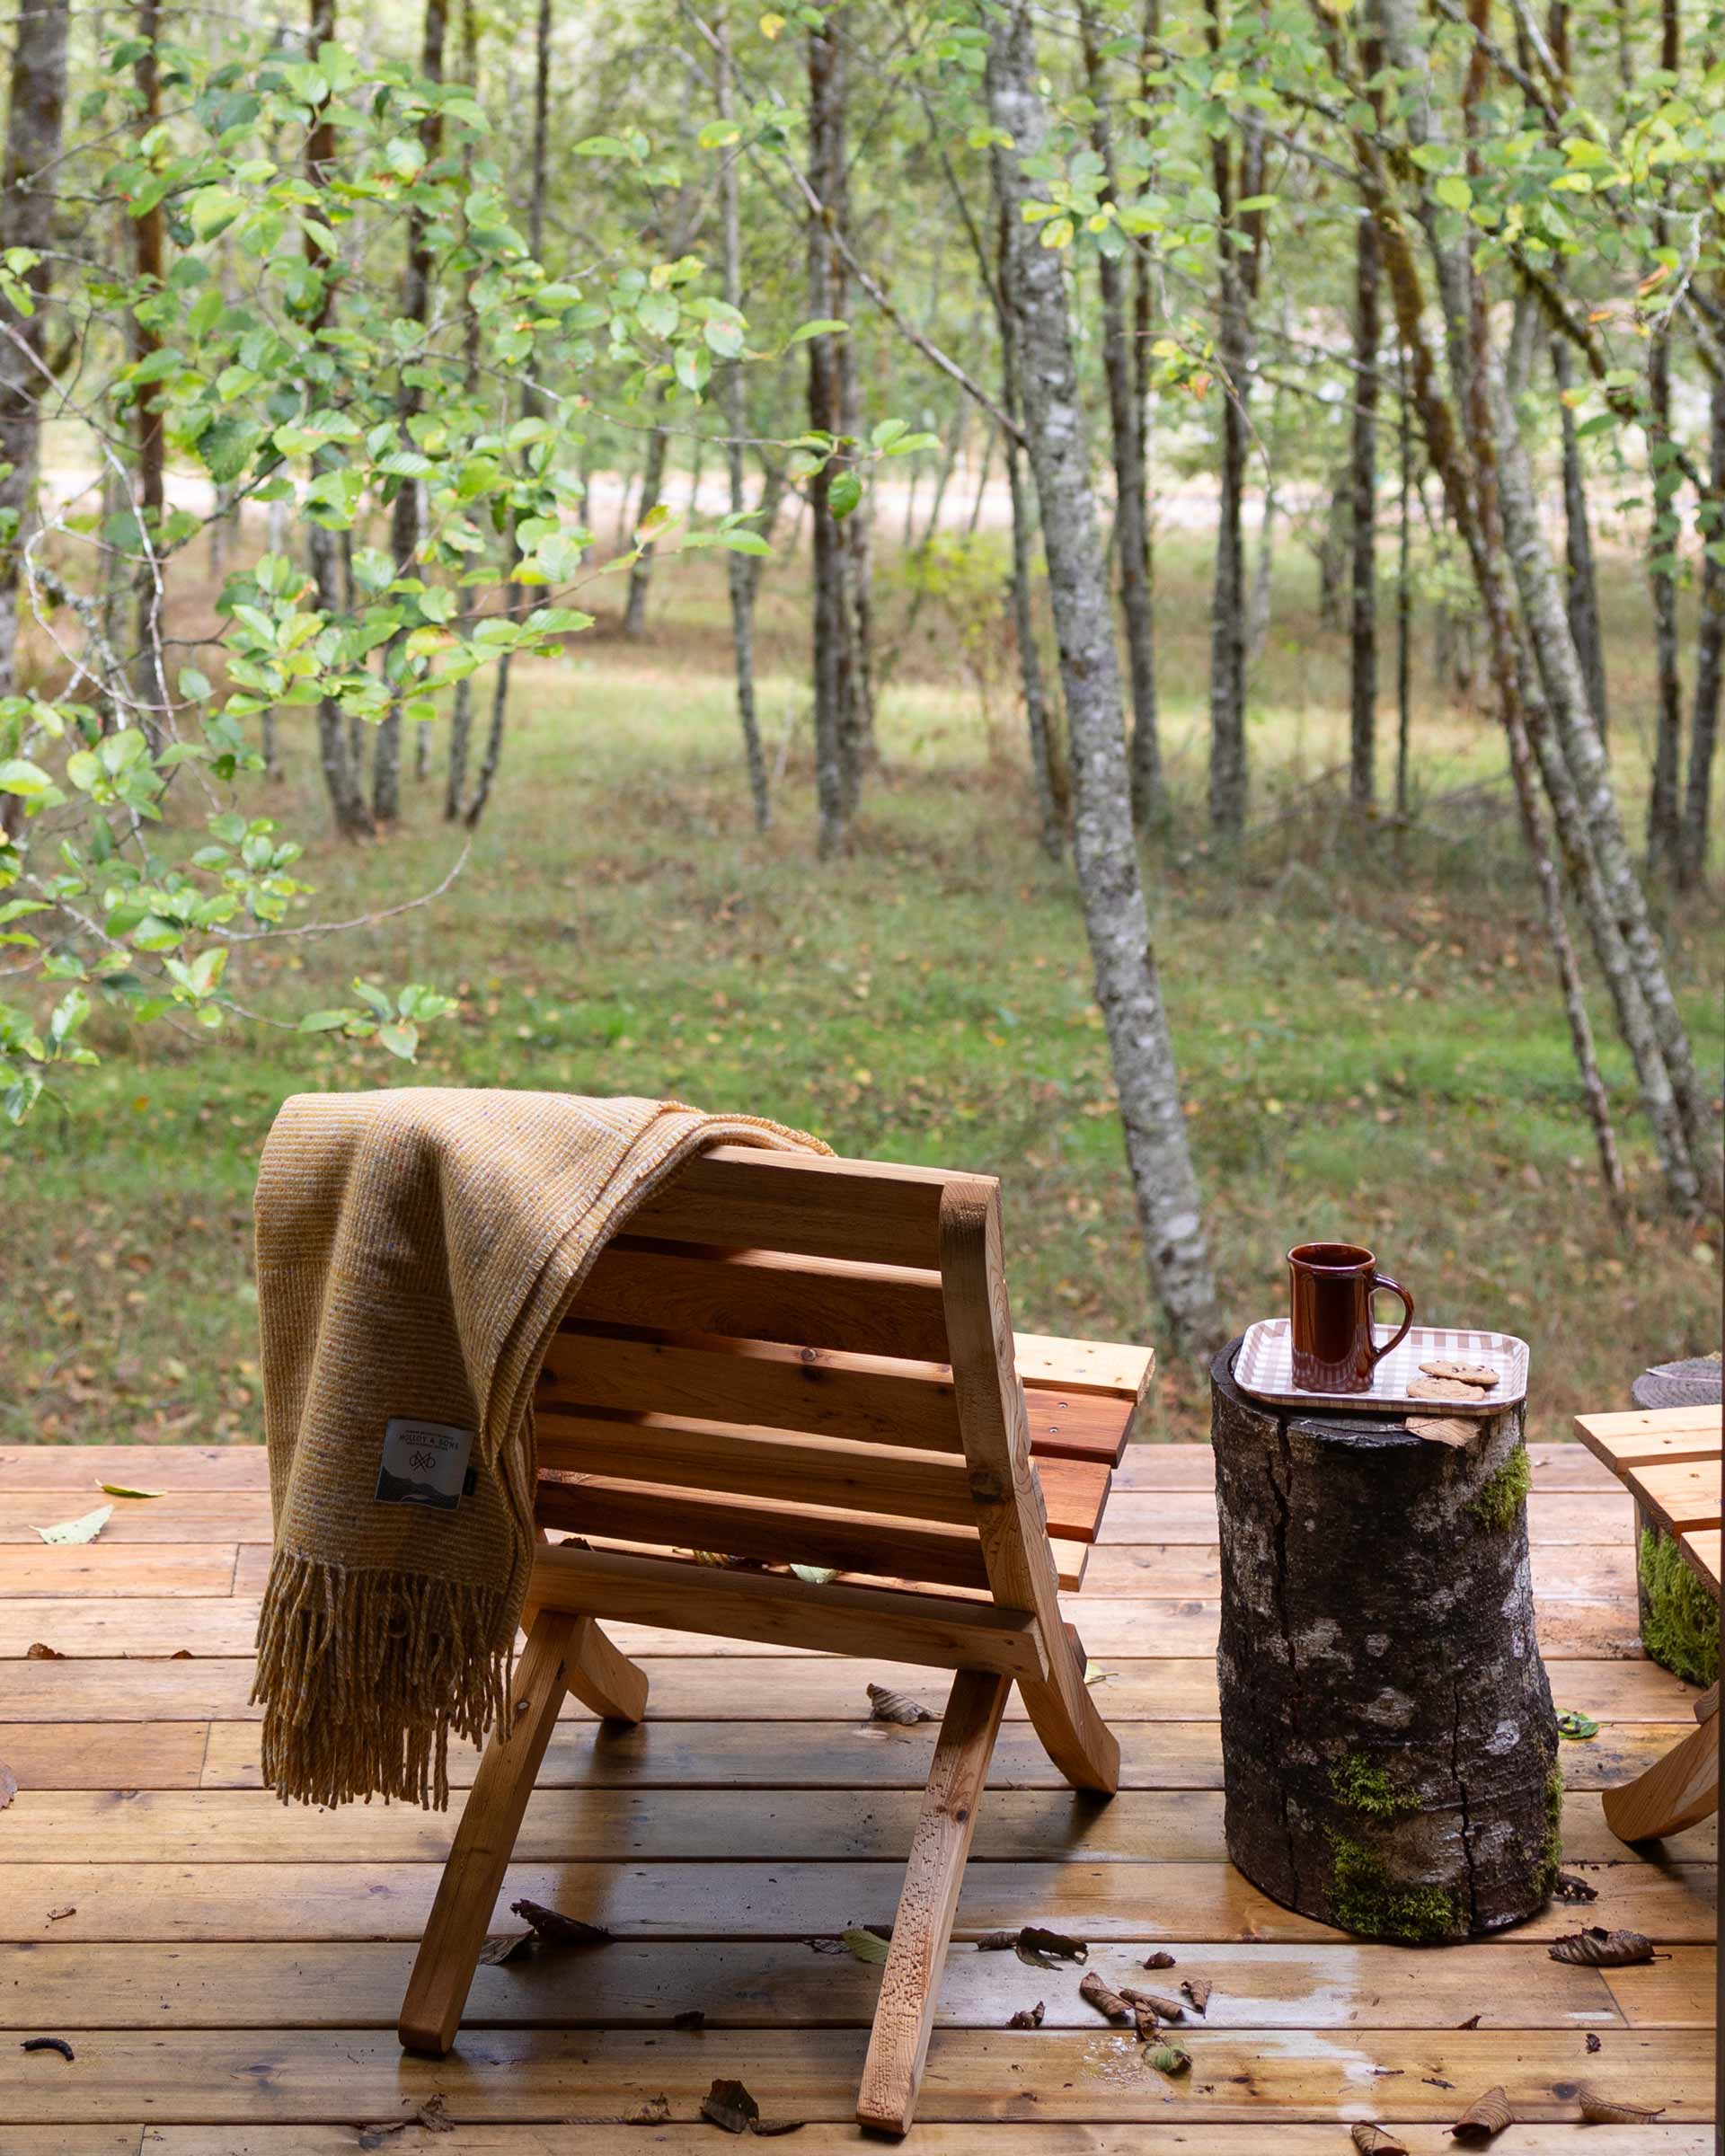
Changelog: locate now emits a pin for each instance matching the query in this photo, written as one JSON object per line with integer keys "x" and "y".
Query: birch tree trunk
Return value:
{"x": 1582, "y": 594}
{"x": 641, "y": 572}
{"x": 1362, "y": 770}
{"x": 336, "y": 755}
{"x": 738, "y": 566}
{"x": 1131, "y": 490}
{"x": 34, "y": 116}
{"x": 149, "y": 234}
{"x": 1662, "y": 810}
{"x": 1709, "y": 658}
{"x": 1404, "y": 591}
{"x": 405, "y": 525}
{"x": 530, "y": 404}
{"x": 831, "y": 612}
{"x": 1116, "y": 918}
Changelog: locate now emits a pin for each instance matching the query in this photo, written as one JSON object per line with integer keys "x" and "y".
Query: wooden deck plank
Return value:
{"x": 789, "y": 1688}
{"x": 1147, "y": 1465}
{"x": 766, "y": 1984}
{"x": 43, "y": 1570}
{"x": 1595, "y": 1571}
{"x": 1189, "y": 1516}
{"x": 1569, "y": 1629}
{"x": 1124, "y": 1900}
{"x": 692, "y": 1825}
{"x": 177, "y": 1516}
{"x": 798, "y": 2076}
{"x": 97, "y": 1755}
{"x": 1258, "y": 2138}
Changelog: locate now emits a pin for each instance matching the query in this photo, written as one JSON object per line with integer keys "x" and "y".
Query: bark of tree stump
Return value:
{"x": 1388, "y": 1740}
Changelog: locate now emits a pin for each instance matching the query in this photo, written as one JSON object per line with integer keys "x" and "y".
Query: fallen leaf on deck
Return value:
{"x": 885, "y": 1705}
{"x": 1373, "y": 2141}
{"x": 182, "y": 1654}
{"x": 83, "y": 1529}
{"x": 1613, "y": 2111}
{"x": 57, "y": 2043}
{"x": 1094, "y": 1993}
{"x": 1593, "y": 2040}
{"x": 556, "y": 1929}
{"x": 1029, "y": 2017}
{"x": 1041, "y": 1949}
{"x": 814, "y": 1576}
{"x": 1169, "y": 2009}
{"x": 1198, "y": 1989}
{"x": 504, "y": 1948}
{"x": 54, "y": 1915}
{"x": 119, "y": 1489}
{"x": 1473, "y": 2022}
{"x": 1160, "y": 1959}
{"x": 866, "y": 1945}
{"x": 431, "y": 2115}
{"x": 1094, "y": 1673}
{"x": 692, "y": 2016}
{"x": 1568, "y": 1887}
{"x": 8, "y": 1785}
{"x": 655, "y": 2112}
{"x": 1598, "y": 1948}
{"x": 1167, "y": 2058}
{"x": 1572, "y": 1723}
{"x": 1444, "y": 1429}
{"x": 1486, "y": 2115}
{"x": 39, "y": 1650}
{"x": 729, "y": 2105}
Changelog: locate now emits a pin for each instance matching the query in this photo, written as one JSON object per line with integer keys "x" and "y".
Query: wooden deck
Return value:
{"x": 228, "y": 1971}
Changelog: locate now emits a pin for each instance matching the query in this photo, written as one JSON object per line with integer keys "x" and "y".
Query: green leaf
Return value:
{"x": 867, "y": 1946}
{"x": 824, "y": 327}
{"x": 400, "y": 1039}
{"x": 83, "y": 1529}
{"x": 324, "y": 1021}
{"x": 120, "y": 1489}
{"x": 601, "y": 146}
{"x": 844, "y": 494}
{"x": 1454, "y": 192}
{"x": 28, "y": 780}
{"x": 1573, "y": 1724}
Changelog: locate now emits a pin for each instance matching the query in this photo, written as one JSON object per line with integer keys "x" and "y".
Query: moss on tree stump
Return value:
{"x": 1388, "y": 1739}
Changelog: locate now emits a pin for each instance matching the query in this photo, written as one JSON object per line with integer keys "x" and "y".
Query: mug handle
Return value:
{"x": 1383, "y": 1280}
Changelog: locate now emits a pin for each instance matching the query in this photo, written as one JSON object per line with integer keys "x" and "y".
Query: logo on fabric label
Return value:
{"x": 425, "y": 1463}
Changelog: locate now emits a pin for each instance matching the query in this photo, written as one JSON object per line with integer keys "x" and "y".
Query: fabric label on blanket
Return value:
{"x": 424, "y": 1463}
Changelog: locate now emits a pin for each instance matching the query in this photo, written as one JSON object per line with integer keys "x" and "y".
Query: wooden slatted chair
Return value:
{"x": 809, "y": 1361}
{"x": 1669, "y": 1459}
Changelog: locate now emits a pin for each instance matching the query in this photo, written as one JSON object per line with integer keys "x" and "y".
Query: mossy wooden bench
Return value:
{"x": 1669, "y": 1459}
{"x": 804, "y": 1361}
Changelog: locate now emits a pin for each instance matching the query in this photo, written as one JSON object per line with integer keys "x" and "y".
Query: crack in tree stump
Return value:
{"x": 1388, "y": 1740}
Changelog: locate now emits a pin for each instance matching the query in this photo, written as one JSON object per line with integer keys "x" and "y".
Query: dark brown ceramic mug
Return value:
{"x": 1331, "y": 1286}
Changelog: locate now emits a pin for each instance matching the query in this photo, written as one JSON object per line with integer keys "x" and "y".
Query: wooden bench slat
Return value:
{"x": 877, "y": 1212}
{"x": 1680, "y": 1495}
{"x": 1107, "y": 1367}
{"x": 837, "y": 1618}
{"x": 767, "y": 1296}
{"x": 1643, "y": 1436}
{"x": 815, "y": 1471}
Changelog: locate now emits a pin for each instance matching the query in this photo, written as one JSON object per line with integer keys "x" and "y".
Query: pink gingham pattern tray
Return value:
{"x": 1264, "y": 1367}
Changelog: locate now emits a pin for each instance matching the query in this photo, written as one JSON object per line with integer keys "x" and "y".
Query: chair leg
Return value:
{"x": 1064, "y": 1714}
{"x": 602, "y": 1678}
{"x": 1676, "y": 1791}
{"x": 910, "y": 1982}
{"x": 443, "y": 1970}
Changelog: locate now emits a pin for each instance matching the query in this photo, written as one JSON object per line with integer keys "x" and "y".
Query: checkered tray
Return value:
{"x": 1264, "y": 1367}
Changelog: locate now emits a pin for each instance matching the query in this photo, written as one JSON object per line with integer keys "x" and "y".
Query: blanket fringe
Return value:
{"x": 363, "y": 1675}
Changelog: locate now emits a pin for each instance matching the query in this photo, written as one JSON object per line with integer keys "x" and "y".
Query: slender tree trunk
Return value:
{"x": 1263, "y": 573}
{"x": 530, "y": 402}
{"x": 461, "y": 709}
{"x": 831, "y": 668}
{"x": 1149, "y": 791}
{"x": 1582, "y": 594}
{"x": 405, "y": 525}
{"x": 773, "y": 487}
{"x": 1228, "y": 773}
{"x": 1404, "y": 595}
{"x": 337, "y": 754}
{"x": 34, "y": 117}
{"x": 1662, "y": 810}
{"x": 641, "y": 572}
{"x": 1116, "y": 916}
{"x": 1362, "y": 772}
{"x": 861, "y": 745}
{"x": 1051, "y": 823}
{"x": 1710, "y": 657}
{"x": 149, "y": 232}
{"x": 742, "y": 589}
{"x": 1126, "y": 421}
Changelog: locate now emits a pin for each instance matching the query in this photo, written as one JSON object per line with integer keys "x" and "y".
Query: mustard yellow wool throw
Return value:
{"x": 416, "y": 1250}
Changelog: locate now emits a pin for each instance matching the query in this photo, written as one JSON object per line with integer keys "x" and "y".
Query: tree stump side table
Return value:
{"x": 1388, "y": 1740}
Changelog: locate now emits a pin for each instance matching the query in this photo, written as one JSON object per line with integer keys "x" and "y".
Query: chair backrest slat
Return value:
{"x": 871, "y": 1211}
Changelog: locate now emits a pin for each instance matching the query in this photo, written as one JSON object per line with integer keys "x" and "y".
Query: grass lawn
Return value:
{"x": 1370, "y": 1037}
